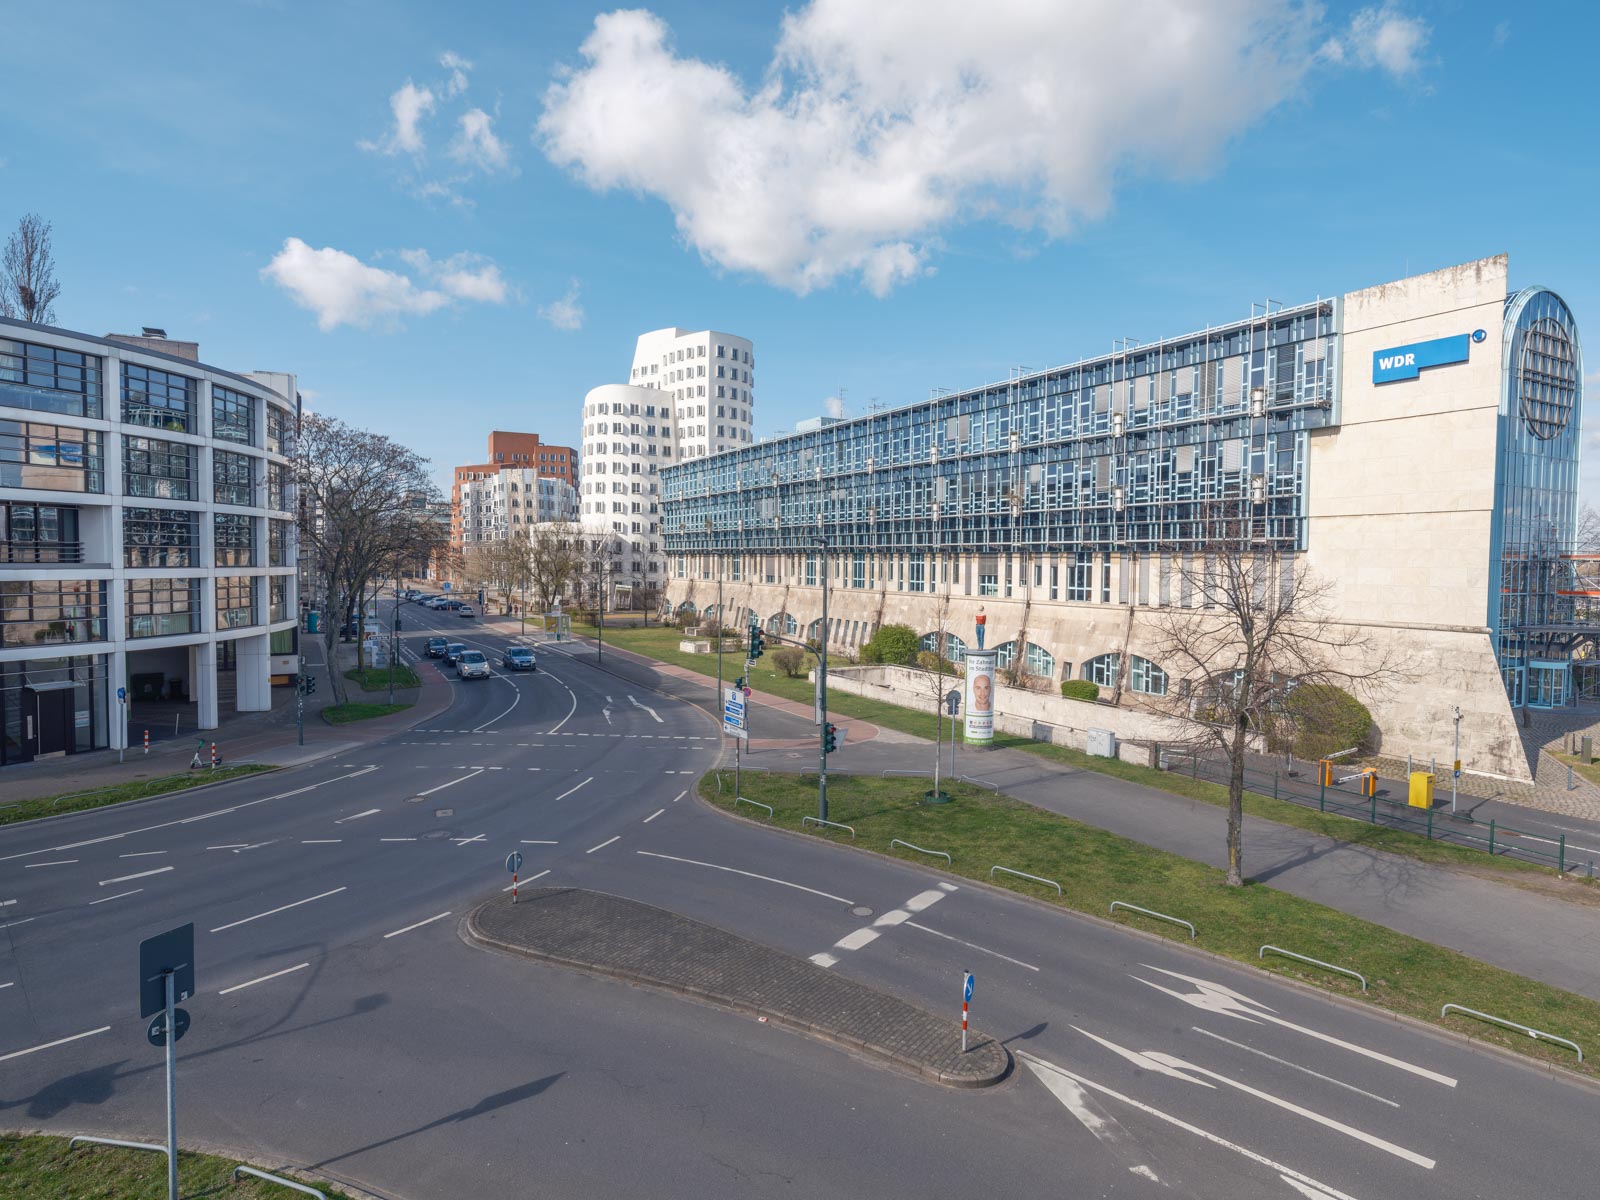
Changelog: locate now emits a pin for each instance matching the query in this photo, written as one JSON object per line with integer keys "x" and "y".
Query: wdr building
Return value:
{"x": 1415, "y": 445}
{"x": 147, "y": 536}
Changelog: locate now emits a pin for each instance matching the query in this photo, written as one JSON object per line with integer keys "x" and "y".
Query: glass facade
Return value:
{"x": 157, "y": 399}
{"x": 51, "y": 457}
{"x": 235, "y": 540}
{"x": 160, "y": 537}
{"x": 154, "y": 469}
{"x": 39, "y": 533}
{"x": 48, "y": 379}
{"x": 52, "y": 706}
{"x": 39, "y": 612}
{"x": 161, "y": 607}
{"x": 232, "y": 478}
{"x": 233, "y": 415}
{"x": 236, "y": 601}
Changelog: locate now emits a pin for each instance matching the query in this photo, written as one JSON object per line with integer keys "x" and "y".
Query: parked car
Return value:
{"x": 453, "y": 651}
{"x": 466, "y": 610}
{"x": 519, "y": 658}
{"x": 471, "y": 664}
{"x": 437, "y": 647}
{"x": 347, "y": 630}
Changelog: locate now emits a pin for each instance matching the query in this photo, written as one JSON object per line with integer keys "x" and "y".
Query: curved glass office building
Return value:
{"x": 1413, "y": 445}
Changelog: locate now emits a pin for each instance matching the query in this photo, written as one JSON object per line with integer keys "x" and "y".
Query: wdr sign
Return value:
{"x": 1407, "y": 362}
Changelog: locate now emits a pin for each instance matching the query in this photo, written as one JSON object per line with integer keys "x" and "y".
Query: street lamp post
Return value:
{"x": 1455, "y": 767}
{"x": 394, "y": 633}
{"x": 720, "y": 621}
{"x": 822, "y": 690}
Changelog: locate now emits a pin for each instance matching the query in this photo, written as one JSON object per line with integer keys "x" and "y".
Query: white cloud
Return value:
{"x": 458, "y": 68}
{"x": 343, "y": 290}
{"x": 565, "y": 313}
{"x": 1383, "y": 37}
{"x": 409, "y": 105}
{"x": 477, "y": 145}
{"x": 877, "y": 126}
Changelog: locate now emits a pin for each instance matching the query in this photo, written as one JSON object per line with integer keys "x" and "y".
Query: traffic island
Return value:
{"x": 623, "y": 939}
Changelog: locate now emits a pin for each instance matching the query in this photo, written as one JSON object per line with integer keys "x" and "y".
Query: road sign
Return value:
{"x": 952, "y": 701}
{"x": 514, "y": 862}
{"x": 734, "y": 710}
{"x": 170, "y": 951}
{"x": 122, "y": 693}
{"x": 969, "y": 987}
{"x": 156, "y": 1034}
{"x": 445, "y": 586}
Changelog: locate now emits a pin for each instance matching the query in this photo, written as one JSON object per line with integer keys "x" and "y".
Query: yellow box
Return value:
{"x": 1421, "y": 789}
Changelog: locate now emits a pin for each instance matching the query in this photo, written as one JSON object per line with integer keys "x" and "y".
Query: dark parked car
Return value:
{"x": 519, "y": 658}
{"x": 436, "y": 647}
{"x": 454, "y": 651}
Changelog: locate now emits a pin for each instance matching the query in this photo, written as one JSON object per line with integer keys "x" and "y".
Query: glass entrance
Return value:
{"x": 1547, "y": 685}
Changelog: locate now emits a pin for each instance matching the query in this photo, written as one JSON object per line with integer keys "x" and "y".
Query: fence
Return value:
{"x": 1434, "y": 824}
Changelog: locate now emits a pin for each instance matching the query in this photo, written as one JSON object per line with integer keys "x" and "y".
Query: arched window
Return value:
{"x": 1039, "y": 661}
{"x": 814, "y": 631}
{"x": 790, "y": 625}
{"x": 1004, "y": 655}
{"x": 1146, "y": 678}
{"x": 955, "y": 650}
{"x": 1103, "y": 669}
{"x": 686, "y": 607}
{"x": 775, "y": 622}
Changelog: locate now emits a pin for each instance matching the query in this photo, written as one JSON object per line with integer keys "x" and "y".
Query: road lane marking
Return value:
{"x": 895, "y": 916}
{"x": 603, "y": 844}
{"x": 320, "y": 841}
{"x": 252, "y": 982}
{"x": 653, "y": 816}
{"x": 1107, "y": 1130}
{"x": 634, "y": 701}
{"x": 418, "y": 925}
{"x": 824, "y": 960}
{"x": 142, "y": 854}
{"x": 1285, "y": 1062}
{"x": 1039, "y": 1067}
{"x": 284, "y": 908}
{"x": 525, "y": 882}
{"x": 452, "y": 783}
{"x": 60, "y": 862}
{"x": 924, "y": 900}
{"x": 570, "y": 790}
{"x": 971, "y": 945}
{"x": 518, "y": 693}
{"x": 3, "y": 986}
{"x": 24, "y": 921}
{"x": 359, "y": 815}
{"x": 230, "y": 846}
{"x": 538, "y": 842}
{"x": 679, "y": 796}
{"x": 570, "y": 711}
{"x": 57, "y": 1042}
{"x": 6, "y": 903}
{"x": 467, "y": 841}
{"x": 864, "y": 936}
{"x": 139, "y": 875}
{"x": 118, "y": 896}
{"x": 751, "y": 874}
{"x": 397, "y": 839}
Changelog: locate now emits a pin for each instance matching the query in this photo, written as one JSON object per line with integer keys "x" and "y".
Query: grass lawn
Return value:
{"x": 376, "y": 679}
{"x": 343, "y": 714}
{"x": 662, "y": 645}
{"x": 48, "y": 806}
{"x": 980, "y": 830}
{"x": 42, "y": 1168}
{"x": 1588, "y": 770}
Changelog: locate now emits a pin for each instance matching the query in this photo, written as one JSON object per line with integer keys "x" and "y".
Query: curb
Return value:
{"x": 1553, "y": 1070}
{"x": 473, "y": 935}
{"x": 123, "y": 805}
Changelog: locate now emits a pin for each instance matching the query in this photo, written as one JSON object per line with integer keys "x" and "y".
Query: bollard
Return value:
{"x": 1561, "y": 851}
{"x": 1322, "y": 791}
{"x": 1274, "y": 785}
{"x": 176, "y": 717}
{"x": 213, "y": 756}
{"x": 1569, "y": 777}
{"x": 1491, "y": 837}
{"x": 147, "y": 741}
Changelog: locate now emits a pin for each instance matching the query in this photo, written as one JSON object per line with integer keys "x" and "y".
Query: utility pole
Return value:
{"x": 822, "y": 690}
{"x": 394, "y": 633}
{"x": 721, "y": 620}
{"x": 300, "y": 700}
{"x": 1455, "y": 772}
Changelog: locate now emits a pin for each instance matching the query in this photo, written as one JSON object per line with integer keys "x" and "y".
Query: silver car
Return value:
{"x": 471, "y": 664}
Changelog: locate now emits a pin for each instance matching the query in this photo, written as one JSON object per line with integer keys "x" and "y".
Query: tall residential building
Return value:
{"x": 147, "y": 538}
{"x": 508, "y": 501}
{"x": 687, "y": 395}
{"x": 510, "y": 451}
{"x": 1414, "y": 446}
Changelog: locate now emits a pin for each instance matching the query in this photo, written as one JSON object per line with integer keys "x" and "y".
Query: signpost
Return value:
{"x": 969, "y": 983}
{"x": 122, "y": 700}
{"x": 166, "y": 976}
{"x": 514, "y": 864}
{"x": 736, "y": 724}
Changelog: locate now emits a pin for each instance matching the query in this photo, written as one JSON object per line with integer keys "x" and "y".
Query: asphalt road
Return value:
{"x": 341, "y": 1022}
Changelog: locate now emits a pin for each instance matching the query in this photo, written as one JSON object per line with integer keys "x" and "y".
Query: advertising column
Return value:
{"x": 980, "y": 691}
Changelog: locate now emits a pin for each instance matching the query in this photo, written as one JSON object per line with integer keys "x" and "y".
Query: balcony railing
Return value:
{"x": 12, "y": 553}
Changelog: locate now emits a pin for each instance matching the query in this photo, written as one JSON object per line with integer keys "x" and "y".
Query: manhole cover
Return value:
{"x": 861, "y": 910}
{"x": 434, "y": 835}
{"x": 444, "y": 812}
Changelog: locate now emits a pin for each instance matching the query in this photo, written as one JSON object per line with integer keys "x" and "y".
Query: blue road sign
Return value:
{"x": 445, "y": 586}
{"x": 514, "y": 862}
{"x": 122, "y": 693}
{"x": 968, "y": 987}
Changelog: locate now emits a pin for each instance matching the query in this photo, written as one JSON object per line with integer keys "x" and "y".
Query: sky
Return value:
{"x": 447, "y": 219}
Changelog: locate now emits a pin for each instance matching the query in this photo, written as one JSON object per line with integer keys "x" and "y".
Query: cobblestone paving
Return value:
{"x": 643, "y": 944}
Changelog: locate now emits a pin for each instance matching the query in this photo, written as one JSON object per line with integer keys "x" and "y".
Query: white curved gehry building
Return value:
{"x": 687, "y": 395}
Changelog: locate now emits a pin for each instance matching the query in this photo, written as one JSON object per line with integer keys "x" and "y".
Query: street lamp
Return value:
{"x": 1455, "y": 770}
{"x": 822, "y": 688}
{"x": 720, "y": 621}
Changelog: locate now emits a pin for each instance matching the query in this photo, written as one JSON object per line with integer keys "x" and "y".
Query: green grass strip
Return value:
{"x": 141, "y": 789}
{"x": 376, "y": 679}
{"x": 42, "y": 1168}
{"x": 356, "y": 710}
{"x": 980, "y": 830}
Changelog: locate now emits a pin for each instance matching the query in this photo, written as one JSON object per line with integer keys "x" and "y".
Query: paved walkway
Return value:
{"x": 644, "y": 944}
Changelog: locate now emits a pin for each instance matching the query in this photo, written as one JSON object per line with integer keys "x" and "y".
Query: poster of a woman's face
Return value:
{"x": 982, "y": 693}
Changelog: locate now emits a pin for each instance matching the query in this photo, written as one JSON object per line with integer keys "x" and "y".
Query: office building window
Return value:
{"x": 278, "y": 543}
{"x": 278, "y": 591}
{"x": 156, "y": 470}
{"x": 988, "y": 584}
{"x": 1146, "y": 678}
{"x": 236, "y": 601}
{"x": 39, "y": 533}
{"x": 157, "y": 399}
{"x": 159, "y": 537}
{"x": 233, "y": 415}
{"x": 235, "y": 544}
{"x": 1103, "y": 669}
{"x": 45, "y": 379}
{"x": 280, "y": 427}
{"x": 162, "y": 607}
{"x": 232, "y": 477}
{"x": 50, "y": 457}
{"x": 36, "y": 612}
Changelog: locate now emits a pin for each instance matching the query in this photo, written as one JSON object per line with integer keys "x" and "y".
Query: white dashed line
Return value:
{"x": 359, "y": 815}
{"x": 824, "y": 960}
{"x": 653, "y": 816}
{"x": 418, "y": 925}
{"x": 320, "y": 841}
{"x": 252, "y": 982}
{"x": 142, "y": 854}
{"x": 679, "y": 796}
{"x": 452, "y": 783}
{"x": 57, "y": 1042}
{"x": 118, "y": 896}
{"x": 525, "y": 882}
{"x": 972, "y": 946}
{"x": 60, "y": 862}
{"x": 861, "y": 937}
{"x": 397, "y": 839}
{"x": 536, "y": 842}
{"x": 271, "y": 911}
{"x": 569, "y": 791}
{"x": 603, "y": 844}
{"x": 139, "y": 875}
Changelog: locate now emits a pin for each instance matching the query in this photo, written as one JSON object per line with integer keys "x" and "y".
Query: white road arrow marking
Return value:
{"x": 1107, "y": 1130}
{"x": 634, "y": 700}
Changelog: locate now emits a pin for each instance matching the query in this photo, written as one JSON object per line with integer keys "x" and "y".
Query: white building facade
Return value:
{"x": 147, "y": 538}
{"x": 507, "y": 502}
{"x": 688, "y": 395}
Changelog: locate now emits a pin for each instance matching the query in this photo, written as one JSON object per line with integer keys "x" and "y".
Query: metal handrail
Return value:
{"x": 1150, "y": 912}
{"x": 738, "y": 800}
{"x": 1025, "y": 875}
{"x": 916, "y": 774}
{"x": 1314, "y": 961}
{"x": 804, "y": 821}
{"x": 279, "y": 1180}
{"x": 100, "y": 1141}
{"x": 1536, "y": 1034}
{"x": 983, "y": 783}
{"x": 893, "y": 842}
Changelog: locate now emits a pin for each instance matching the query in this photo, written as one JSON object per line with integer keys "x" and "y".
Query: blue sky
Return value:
{"x": 448, "y": 219}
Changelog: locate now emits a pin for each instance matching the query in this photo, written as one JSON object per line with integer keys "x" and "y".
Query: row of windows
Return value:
{"x": 39, "y": 533}
{"x": 47, "y": 379}
{"x": 164, "y": 607}
{"x": 45, "y": 612}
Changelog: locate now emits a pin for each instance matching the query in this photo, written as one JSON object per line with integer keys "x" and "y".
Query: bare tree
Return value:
{"x": 28, "y": 287}
{"x": 508, "y": 565}
{"x": 935, "y": 669}
{"x": 555, "y": 560}
{"x": 1258, "y": 630}
{"x": 363, "y": 513}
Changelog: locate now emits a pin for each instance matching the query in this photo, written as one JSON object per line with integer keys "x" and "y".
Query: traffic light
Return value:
{"x": 308, "y": 684}
{"x": 830, "y": 738}
{"x": 758, "y": 643}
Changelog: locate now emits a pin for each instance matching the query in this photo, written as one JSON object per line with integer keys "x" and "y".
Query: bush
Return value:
{"x": 893, "y": 645}
{"x": 1327, "y": 719}
{"x": 930, "y": 662}
{"x": 791, "y": 660}
{"x": 1080, "y": 689}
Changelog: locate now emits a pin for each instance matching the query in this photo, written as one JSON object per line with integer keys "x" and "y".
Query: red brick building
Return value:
{"x": 511, "y": 450}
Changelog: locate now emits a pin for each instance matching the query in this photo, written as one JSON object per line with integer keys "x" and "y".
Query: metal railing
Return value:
{"x": 983, "y": 783}
{"x": 804, "y": 821}
{"x": 100, "y": 1141}
{"x": 41, "y": 552}
{"x": 279, "y": 1180}
{"x": 912, "y": 774}
{"x": 738, "y": 800}
{"x": 1025, "y": 875}
{"x": 1150, "y": 912}
{"x": 893, "y": 842}
{"x": 1316, "y": 962}
{"x": 1536, "y": 1034}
